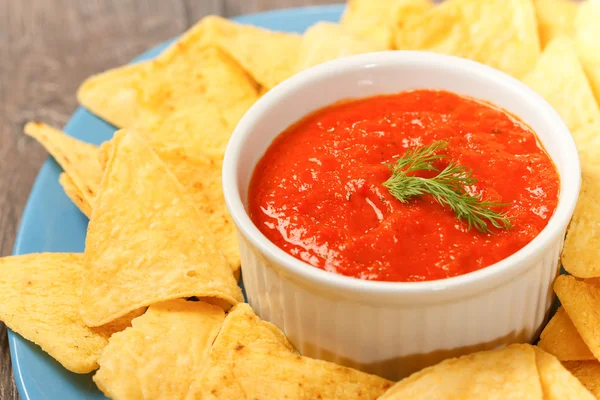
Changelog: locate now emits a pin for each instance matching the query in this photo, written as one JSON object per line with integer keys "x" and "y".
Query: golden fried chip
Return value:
{"x": 561, "y": 339}
{"x": 162, "y": 351}
{"x": 39, "y": 299}
{"x": 74, "y": 194}
{"x": 146, "y": 242}
{"x": 587, "y": 34}
{"x": 559, "y": 78}
{"x": 78, "y": 159}
{"x": 509, "y": 373}
{"x": 268, "y": 56}
{"x": 581, "y": 301}
{"x": 500, "y": 33}
{"x": 202, "y": 128}
{"x": 588, "y": 373}
{"x": 327, "y": 41}
{"x": 379, "y": 19}
{"x": 201, "y": 176}
{"x": 581, "y": 253}
{"x": 184, "y": 75}
{"x": 555, "y": 18}
{"x": 249, "y": 361}
{"x": 557, "y": 382}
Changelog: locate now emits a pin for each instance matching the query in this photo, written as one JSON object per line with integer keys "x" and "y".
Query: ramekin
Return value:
{"x": 392, "y": 328}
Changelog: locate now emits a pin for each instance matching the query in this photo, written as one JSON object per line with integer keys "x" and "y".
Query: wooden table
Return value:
{"x": 47, "y": 48}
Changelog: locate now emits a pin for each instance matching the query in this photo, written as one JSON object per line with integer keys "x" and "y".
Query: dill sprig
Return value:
{"x": 447, "y": 187}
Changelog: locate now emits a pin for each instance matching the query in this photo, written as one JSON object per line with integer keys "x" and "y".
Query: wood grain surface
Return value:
{"x": 47, "y": 48}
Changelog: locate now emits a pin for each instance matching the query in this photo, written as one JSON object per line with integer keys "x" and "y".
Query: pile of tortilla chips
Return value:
{"x": 155, "y": 295}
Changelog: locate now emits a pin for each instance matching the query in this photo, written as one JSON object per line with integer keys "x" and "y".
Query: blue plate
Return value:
{"x": 51, "y": 222}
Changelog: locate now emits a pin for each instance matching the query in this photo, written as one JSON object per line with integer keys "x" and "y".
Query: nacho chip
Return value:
{"x": 587, "y": 32}
{"x": 162, "y": 351}
{"x": 559, "y": 78}
{"x": 249, "y": 361}
{"x": 561, "y": 339}
{"x": 379, "y": 19}
{"x": 557, "y": 382}
{"x": 581, "y": 301}
{"x": 202, "y": 128}
{"x": 268, "y": 56}
{"x": 201, "y": 176}
{"x": 509, "y": 373}
{"x": 588, "y": 373}
{"x": 78, "y": 159}
{"x": 581, "y": 253}
{"x": 74, "y": 194}
{"x": 500, "y": 33}
{"x": 555, "y": 18}
{"x": 39, "y": 299}
{"x": 327, "y": 41}
{"x": 185, "y": 75}
{"x": 146, "y": 240}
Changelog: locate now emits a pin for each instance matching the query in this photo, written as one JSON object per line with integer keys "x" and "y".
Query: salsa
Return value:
{"x": 318, "y": 191}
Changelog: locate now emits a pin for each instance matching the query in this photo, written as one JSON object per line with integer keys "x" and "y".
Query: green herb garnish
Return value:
{"x": 447, "y": 187}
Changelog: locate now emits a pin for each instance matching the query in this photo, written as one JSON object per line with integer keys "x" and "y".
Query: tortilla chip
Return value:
{"x": 588, "y": 373}
{"x": 202, "y": 128}
{"x": 581, "y": 301}
{"x": 500, "y": 33}
{"x": 557, "y": 382}
{"x": 74, "y": 194}
{"x": 145, "y": 242}
{"x": 78, "y": 159}
{"x": 327, "y": 41}
{"x": 378, "y": 19}
{"x": 39, "y": 299}
{"x": 249, "y": 361}
{"x": 268, "y": 56}
{"x": 509, "y": 373}
{"x": 561, "y": 339}
{"x": 201, "y": 176}
{"x": 555, "y": 18}
{"x": 559, "y": 78}
{"x": 162, "y": 351}
{"x": 587, "y": 34}
{"x": 581, "y": 253}
{"x": 187, "y": 74}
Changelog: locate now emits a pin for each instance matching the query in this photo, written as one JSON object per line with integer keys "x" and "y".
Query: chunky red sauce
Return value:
{"x": 317, "y": 193}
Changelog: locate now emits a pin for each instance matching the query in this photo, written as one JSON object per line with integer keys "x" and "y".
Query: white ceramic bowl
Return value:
{"x": 394, "y": 328}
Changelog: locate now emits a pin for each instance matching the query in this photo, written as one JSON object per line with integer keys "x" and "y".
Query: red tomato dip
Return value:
{"x": 318, "y": 191}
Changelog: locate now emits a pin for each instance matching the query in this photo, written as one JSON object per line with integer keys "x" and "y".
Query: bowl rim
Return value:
{"x": 297, "y": 268}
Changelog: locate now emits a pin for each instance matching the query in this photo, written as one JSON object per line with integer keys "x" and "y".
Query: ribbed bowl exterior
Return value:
{"x": 395, "y": 340}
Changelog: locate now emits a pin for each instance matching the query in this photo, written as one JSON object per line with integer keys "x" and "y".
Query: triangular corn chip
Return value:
{"x": 581, "y": 253}
{"x": 249, "y": 361}
{"x": 268, "y": 56}
{"x": 499, "y": 33}
{"x": 588, "y": 373}
{"x": 201, "y": 176}
{"x": 561, "y": 339}
{"x": 559, "y": 78}
{"x": 39, "y": 299}
{"x": 184, "y": 75}
{"x": 179, "y": 333}
{"x": 78, "y": 159}
{"x": 74, "y": 194}
{"x": 587, "y": 32}
{"x": 146, "y": 242}
{"x": 509, "y": 373}
{"x": 326, "y": 41}
{"x": 581, "y": 301}
{"x": 557, "y": 382}
{"x": 555, "y": 18}
{"x": 379, "y": 19}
